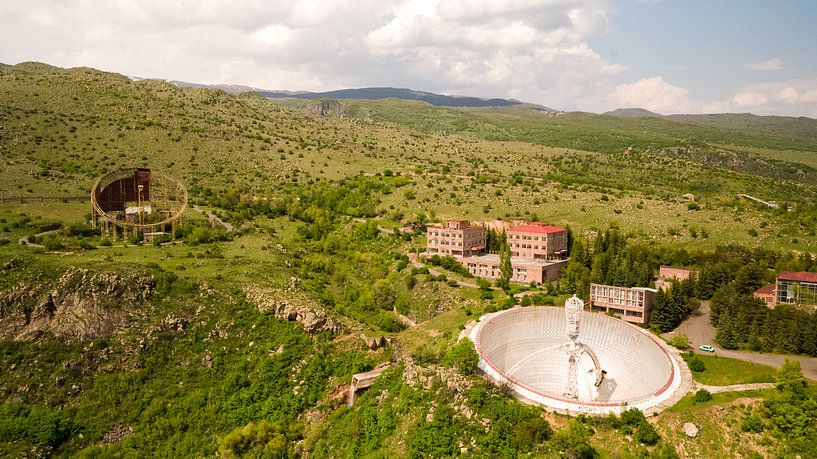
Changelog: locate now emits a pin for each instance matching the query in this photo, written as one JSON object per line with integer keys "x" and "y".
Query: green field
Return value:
{"x": 723, "y": 371}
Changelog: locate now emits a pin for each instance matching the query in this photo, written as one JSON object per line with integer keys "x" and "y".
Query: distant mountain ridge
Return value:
{"x": 374, "y": 93}
{"x": 632, "y": 113}
{"x": 378, "y": 93}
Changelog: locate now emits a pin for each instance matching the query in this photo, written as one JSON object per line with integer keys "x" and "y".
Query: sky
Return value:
{"x": 668, "y": 56}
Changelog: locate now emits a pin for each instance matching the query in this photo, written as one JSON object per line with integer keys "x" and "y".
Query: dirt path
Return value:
{"x": 24, "y": 240}
{"x": 732, "y": 388}
{"x": 214, "y": 217}
{"x": 700, "y": 331}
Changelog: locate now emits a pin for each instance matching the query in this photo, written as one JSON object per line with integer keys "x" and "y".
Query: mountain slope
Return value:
{"x": 783, "y": 126}
{"x": 632, "y": 113}
{"x": 403, "y": 94}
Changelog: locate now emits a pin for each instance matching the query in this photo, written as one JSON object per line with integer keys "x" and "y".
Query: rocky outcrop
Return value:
{"x": 81, "y": 304}
{"x": 375, "y": 343}
{"x": 690, "y": 429}
{"x": 426, "y": 377}
{"x": 293, "y": 306}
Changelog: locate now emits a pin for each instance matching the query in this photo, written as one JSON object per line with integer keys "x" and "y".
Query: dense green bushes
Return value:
{"x": 702, "y": 396}
{"x": 33, "y": 425}
{"x": 792, "y": 411}
{"x": 450, "y": 263}
{"x": 693, "y": 361}
{"x": 257, "y": 439}
{"x": 462, "y": 356}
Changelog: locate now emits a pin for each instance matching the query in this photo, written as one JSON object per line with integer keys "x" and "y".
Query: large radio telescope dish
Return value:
{"x": 576, "y": 361}
{"x": 137, "y": 201}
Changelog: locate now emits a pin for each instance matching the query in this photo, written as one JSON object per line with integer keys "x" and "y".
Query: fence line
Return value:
{"x": 25, "y": 199}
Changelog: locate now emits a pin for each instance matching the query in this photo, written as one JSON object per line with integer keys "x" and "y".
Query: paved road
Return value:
{"x": 212, "y": 216}
{"x": 700, "y": 331}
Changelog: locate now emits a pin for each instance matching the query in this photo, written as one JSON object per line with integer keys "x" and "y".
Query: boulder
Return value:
{"x": 690, "y": 429}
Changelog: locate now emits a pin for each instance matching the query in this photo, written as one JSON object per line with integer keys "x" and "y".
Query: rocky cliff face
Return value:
{"x": 293, "y": 306}
{"x": 81, "y": 304}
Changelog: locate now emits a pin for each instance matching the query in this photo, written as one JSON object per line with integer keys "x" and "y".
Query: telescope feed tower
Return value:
{"x": 573, "y": 308}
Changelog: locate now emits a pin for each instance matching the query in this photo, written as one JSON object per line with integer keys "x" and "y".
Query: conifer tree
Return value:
{"x": 725, "y": 335}
{"x": 505, "y": 267}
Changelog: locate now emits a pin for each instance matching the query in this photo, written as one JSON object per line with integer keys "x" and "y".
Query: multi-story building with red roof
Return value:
{"x": 538, "y": 241}
{"x": 538, "y": 250}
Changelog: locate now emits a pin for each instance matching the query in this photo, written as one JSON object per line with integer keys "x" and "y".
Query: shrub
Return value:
{"x": 633, "y": 420}
{"x": 573, "y": 441}
{"x": 390, "y": 324}
{"x": 645, "y": 433}
{"x": 462, "y": 356}
{"x": 531, "y": 432}
{"x": 51, "y": 242}
{"x": 693, "y": 361}
{"x": 751, "y": 423}
{"x": 702, "y": 396}
{"x": 256, "y": 439}
{"x": 665, "y": 451}
{"x": 451, "y": 264}
{"x": 632, "y": 417}
{"x": 679, "y": 341}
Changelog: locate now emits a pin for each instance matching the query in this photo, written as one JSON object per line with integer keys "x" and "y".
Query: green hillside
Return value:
{"x": 244, "y": 342}
{"x": 603, "y": 133}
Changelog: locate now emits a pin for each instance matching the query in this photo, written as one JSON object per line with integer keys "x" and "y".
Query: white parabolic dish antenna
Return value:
{"x": 577, "y": 361}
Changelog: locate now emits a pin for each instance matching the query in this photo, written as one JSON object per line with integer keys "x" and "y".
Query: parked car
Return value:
{"x": 706, "y": 348}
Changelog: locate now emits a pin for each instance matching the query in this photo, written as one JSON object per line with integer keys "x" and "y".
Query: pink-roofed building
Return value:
{"x": 767, "y": 294}
{"x": 537, "y": 250}
{"x": 538, "y": 241}
{"x": 673, "y": 272}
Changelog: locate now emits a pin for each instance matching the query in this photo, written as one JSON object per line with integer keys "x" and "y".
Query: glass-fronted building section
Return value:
{"x": 797, "y": 288}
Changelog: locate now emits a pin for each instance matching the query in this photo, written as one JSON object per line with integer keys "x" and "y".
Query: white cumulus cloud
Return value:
{"x": 532, "y": 50}
{"x": 536, "y": 50}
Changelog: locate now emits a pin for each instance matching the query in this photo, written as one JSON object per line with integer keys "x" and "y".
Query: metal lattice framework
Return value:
{"x": 134, "y": 201}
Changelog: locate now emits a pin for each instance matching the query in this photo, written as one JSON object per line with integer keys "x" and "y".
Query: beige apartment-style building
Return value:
{"x": 457, "y": 238}
{"x": 631, "y": 304}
